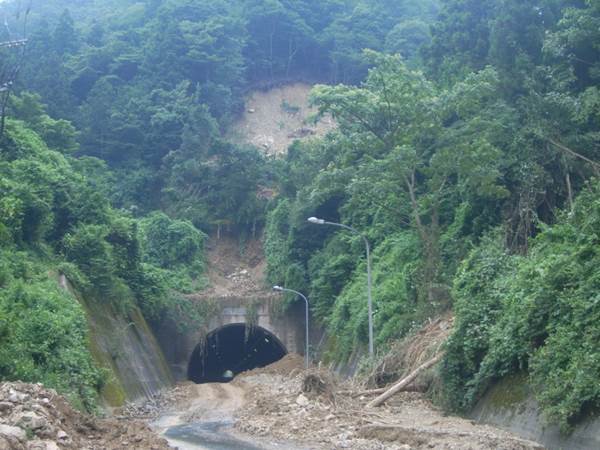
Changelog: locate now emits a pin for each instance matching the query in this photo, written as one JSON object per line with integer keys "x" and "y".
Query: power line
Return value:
{"x": 12, "y": 44}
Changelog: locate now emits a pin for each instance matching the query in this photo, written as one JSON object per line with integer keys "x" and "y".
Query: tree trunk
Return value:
{"x": 569, "y": 191}
{"x": 429, "y": 235}
{"x": 404, "y": 382}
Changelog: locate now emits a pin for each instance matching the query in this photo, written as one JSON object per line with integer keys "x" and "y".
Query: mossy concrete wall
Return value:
{"x": 125, "y": 346}
{"x": 510, "y": 405}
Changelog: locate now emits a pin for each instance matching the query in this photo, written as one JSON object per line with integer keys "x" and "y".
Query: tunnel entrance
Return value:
{"x": 232, "y": 349}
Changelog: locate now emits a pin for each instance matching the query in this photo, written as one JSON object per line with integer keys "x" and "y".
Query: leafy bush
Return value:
{"x": 539, "y": 312}
{"x": 43, "y": 334}
{"x": 479, "y": 289}
{"x": 394, "y": 297}
{"x": 86, "y": 246}
{"x": 169, "y": 243}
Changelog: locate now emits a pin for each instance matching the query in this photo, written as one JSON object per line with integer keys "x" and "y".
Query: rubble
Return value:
{"x": 280, "y": 407}
{"x": 150, "y": 408}
{"x": 35, "y": 418}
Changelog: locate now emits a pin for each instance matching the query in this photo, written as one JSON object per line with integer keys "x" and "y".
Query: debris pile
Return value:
{"x": 290, "y": 365}
{"x": 314, "y": 409}
{"x": 162, "y": 402}
{"x": 242, "y": 278}
{"x": 409, "y": 353}
{"x": 35, "y": 418}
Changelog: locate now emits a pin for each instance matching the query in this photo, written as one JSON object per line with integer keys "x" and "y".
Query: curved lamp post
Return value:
{"x": 317, "y": 221}
{"x": 282, "y": 289}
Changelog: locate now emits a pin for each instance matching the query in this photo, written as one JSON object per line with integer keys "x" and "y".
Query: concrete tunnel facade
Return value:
{"x": 242, "y": 334}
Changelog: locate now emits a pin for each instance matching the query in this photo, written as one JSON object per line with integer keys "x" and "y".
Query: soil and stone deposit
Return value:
{"x": 276, "y": 117}
{"x": 35, "y": 418}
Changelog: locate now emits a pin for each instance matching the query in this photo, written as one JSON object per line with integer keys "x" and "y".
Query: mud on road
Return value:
{"x": 203, "y": 416}
{"x": 270, "y": 408}
{"x": 277, "y": 406}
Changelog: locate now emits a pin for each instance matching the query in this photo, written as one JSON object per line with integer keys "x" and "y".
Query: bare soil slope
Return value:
{"x": 234, "y": 268}
{"x": 273, "y": 119}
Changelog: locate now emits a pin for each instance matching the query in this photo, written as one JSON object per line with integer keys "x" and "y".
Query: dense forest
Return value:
{"x": 467, "y": 151}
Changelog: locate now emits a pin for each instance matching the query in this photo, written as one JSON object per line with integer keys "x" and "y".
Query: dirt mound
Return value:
{"x": 277, "y": 117}
{"x": 35, "y": 418}
{"x": 277, "y": 406}
{"x": 291, "y": 364}
{"x": 319, "y": 384}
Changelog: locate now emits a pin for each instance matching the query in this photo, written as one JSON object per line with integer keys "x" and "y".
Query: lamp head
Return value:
{"x": 277, "y": 288}
{"x": 316, "y": 221}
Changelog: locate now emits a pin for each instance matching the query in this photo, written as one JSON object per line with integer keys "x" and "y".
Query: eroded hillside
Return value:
{"x": 276, "y": 117}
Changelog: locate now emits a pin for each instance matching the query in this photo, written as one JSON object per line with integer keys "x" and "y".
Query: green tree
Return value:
{"x": 429, "y": 149}
{"x": 65, "y": 38}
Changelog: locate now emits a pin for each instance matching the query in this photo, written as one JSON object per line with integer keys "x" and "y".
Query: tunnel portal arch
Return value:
{"x": 231, "y": 349}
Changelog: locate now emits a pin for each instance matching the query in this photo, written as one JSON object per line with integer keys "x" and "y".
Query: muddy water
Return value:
{"x": 205, "y": 421}
{"x": 206, "y": 436}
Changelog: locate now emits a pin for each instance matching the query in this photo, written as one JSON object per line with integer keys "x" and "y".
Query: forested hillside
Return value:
{"x": 467, "y": 151}
{"x": 112, "y": 159}
{"x": 452, "y": 171}
{"x": 151, "y": 85}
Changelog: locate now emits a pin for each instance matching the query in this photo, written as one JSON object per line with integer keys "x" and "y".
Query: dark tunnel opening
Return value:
{"x": 232, "y": 349}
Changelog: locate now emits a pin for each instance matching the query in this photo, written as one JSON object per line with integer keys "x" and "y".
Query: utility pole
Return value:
{"x": 8, "y": 75}
{"x": 317, "y": 221}
{"x": 306, "y": 345}
{"x": 10, "y": 66}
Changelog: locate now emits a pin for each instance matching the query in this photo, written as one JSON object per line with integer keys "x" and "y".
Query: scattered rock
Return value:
{"x": 7, "y": 431}
{"x": 62, "y": 436}
{"x": 301, "y": 400}
{"x": 31, "y": 411}
{"x": 30, "y": 420}
{"x": 10, "y": 444}
{"x": 42, "y": 445}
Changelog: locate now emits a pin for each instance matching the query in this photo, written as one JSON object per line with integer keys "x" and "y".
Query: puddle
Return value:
{"x": 206, "y": 436}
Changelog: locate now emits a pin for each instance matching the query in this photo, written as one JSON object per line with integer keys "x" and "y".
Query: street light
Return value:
{"x": 317, "y": 221}
{"x": 282, "y": 289}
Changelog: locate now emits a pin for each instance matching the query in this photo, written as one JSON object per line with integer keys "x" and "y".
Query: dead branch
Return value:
{"x": 573, "y": 153}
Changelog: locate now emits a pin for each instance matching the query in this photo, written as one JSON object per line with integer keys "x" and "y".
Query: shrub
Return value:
{"x": 540, "y": 312}
{"x": 86, "y": 246}
{"x": 169, "y": 243}
{"x": 44, "y": 338}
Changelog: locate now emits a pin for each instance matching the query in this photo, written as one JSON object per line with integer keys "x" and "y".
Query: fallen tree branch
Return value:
{"x": 365, "y": 392}
{"x": 377, "y": 391}
{"x": 370, "y": 392}
{"x": 404, "y": 382}
{"x": 573, "y": 153}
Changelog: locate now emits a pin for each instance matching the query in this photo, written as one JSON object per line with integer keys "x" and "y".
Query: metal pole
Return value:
{"x": 370, "y": 298}
{"x": 369, "y": 278}
{"x": 306, "y": 350}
